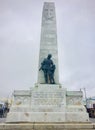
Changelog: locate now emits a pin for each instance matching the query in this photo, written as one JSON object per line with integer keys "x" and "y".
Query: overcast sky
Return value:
{"x": 20, "y": 28}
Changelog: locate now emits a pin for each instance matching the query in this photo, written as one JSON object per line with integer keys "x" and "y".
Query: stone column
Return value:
{"x": 48, "y": 42}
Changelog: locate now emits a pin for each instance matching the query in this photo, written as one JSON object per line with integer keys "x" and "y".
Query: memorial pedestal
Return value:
{"x": 47, "y": 103}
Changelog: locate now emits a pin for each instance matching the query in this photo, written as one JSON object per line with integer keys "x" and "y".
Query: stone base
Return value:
{"x": 47, "y": 117}
{"x": 48, "y": 126}
{"x": 47, "y": 103}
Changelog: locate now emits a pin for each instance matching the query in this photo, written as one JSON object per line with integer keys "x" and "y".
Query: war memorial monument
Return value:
{"x": 48, "y": 101}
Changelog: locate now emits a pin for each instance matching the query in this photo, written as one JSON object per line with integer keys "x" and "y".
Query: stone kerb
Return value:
{"x": 48, "y": 126}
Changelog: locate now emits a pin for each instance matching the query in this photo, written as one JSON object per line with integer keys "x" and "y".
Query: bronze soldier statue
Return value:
{"x": 48, "y": 68}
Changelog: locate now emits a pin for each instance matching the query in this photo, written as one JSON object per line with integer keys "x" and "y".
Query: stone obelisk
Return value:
{"x": 48, "y": 42}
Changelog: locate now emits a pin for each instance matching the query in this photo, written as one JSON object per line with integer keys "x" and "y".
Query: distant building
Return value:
{"x": 90, "y": 102}
{"x": 90, "y": 106}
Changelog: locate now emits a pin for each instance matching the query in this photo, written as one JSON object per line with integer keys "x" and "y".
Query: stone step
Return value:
{"x": 47, "y": 126}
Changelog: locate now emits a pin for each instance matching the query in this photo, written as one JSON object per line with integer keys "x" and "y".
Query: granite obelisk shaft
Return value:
{"x": 48, "y": 42}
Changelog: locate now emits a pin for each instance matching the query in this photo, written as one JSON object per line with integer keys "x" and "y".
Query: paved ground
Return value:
{"x": 2, "y": 120}
{"x": 92, "y": 120}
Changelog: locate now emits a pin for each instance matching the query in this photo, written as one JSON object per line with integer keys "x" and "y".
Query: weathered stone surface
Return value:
{"x": 47, "y": 126}
{"x": 48, "y": 98}
{"x": 47, "y": 103}
{"x": 48, "y": 43}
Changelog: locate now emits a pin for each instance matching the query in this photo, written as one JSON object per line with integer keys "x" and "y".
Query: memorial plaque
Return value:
{"x": 48, "y": 98}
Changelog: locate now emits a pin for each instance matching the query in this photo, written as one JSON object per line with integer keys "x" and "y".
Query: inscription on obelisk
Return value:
{"x": 48, "y": 43}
